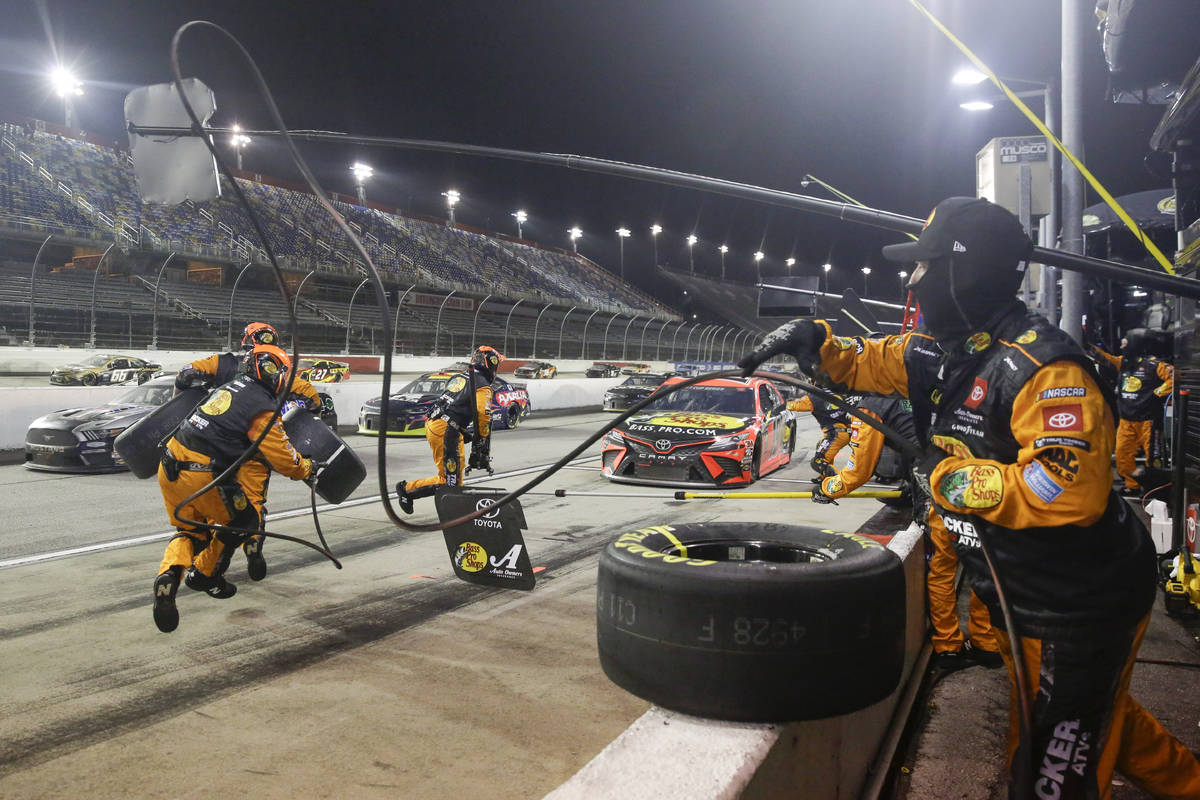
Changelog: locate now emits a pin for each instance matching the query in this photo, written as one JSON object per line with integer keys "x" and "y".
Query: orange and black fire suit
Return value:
{"x": 217, "y": 432}
{"x": 1144, "y": 383}
{"x": 835, "y": 427}
{"x": 466, "y": 399}
{"x": 1027, "y": 435}
{"x": 219, "y": 369}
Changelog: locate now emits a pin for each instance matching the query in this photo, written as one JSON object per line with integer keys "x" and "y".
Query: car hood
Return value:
{"x": 631, "y": 390}
{"x": 684, "y": 425}
{"x": 72, "y": 368}
{"x": 401, "y": 402}
{"x": 114, "y": 413}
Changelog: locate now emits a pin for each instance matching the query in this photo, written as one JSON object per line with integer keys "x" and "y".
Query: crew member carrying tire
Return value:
{"x": 213, "y": 437}
{"x": 1019, "y": 438}
{"x": 465, "y": 402}
{"x": 1143, "y": 385}
{"x": 219, "y": 369}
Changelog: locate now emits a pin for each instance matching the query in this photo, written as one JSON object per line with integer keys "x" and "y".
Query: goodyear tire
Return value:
{"x": 514, "y": 415}
{"x": 751, "y": 622}
{"x": 88, "y": 379}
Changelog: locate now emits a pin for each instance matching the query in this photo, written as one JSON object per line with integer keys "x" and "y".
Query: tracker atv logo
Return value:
{"x": 963, "y": 532}
{"x": 1068, "y": 749}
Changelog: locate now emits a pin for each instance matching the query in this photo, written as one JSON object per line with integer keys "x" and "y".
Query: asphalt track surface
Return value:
{"x": 388, "y": 678}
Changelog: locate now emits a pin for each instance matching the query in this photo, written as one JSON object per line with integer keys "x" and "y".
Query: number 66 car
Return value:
{"x": 104, "y": 370}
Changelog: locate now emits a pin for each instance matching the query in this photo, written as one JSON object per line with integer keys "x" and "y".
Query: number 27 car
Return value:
{"x": 719, "y": 432}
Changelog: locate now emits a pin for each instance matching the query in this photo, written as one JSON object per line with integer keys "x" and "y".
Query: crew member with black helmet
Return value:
{"x": 1019, "y": 436}
{"x": 219, "y": 369}
{"x": 220, "y": 429}
{"x": 463, "y": 404}
{"x": 835, "y": 431}
{"x": 1144, "y": 383}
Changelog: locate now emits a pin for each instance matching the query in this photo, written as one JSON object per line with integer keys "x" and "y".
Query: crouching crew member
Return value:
{"x": 465, "y": 401}
{"x": 219, "y": 369}
{"x": 835, "y": 431}
{"x": 213, "y": 437}
{"x": 1018, "y": 438}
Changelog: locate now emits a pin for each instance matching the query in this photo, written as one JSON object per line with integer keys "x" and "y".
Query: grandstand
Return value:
{"x": 458, "y": 285}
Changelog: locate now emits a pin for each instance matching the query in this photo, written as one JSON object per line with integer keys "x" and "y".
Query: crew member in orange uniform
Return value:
{"x": 835, "y": 431}
{"x": 206, "y": 443}
{"x": 1143, "y": 386}
{"x": 1019, "y": 437}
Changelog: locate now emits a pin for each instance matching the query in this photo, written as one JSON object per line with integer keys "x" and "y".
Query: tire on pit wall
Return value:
{"x": 751, "y": 622}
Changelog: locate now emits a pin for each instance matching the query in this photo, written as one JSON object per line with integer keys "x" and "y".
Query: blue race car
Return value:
{"x": 409, "y": 408}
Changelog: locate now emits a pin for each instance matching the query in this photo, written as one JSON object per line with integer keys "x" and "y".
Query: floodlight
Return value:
{"x": 827, "y": 267}
{"x": 724, "y": 249}
{"x": 866, "y": 270}
{"x": 976, "y": 105}
{"x": 361, "y": 171}
{"x": 521, "y": 217}
{"x": 760, "y": 255}
{"x": 575, "y": 232}
{"x": 791, "y": 262}
{"x": 624, "y": 232}
{"x": 65, "y": 83}
{"x": 692, "y": 239}
{"x": 968, "y": 77}
{"x": 452, "y": 197}
{"x": 655, "y": 230}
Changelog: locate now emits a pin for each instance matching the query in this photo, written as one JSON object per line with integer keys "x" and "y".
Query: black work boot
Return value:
{"x": 216, "y": 586}
{"x": 166, "y": 615}
{"x": 406, "y": 503}
{"x": 256, "y": 565}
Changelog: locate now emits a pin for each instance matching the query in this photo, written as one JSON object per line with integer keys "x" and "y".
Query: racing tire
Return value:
{"x": 143, "y": 377}
{"x": 791, "y": 441}
{"x": 88, "y": 379}
{"x": 751, "y": 622}
{"x": 756, "y": 461}
{"x": 513, "y": 418}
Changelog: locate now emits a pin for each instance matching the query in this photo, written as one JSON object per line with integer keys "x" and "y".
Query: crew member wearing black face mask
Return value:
{"x": 1019, "y": 437}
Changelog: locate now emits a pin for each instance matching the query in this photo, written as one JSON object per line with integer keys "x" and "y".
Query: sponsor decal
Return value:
{"x": 980, "y": 486}
{"x": 968, "y": 416}
{"x": 1067, "y": 749}
{"x": 451, "y": 465}
{"x": 662, "y": 445}
{"x": 1062, "y": 391}
{"x": 456, "y": 384}
{"x": 850, "y": 464}
{"x": 936, "y": 396}
{"x": 843, "y": 342}
{"x": 978, "y": 342}
{"x": 978, "y": 393}
{"x": 834, "y": 485}
{"x": 239, "y": 501}
{"x": 1061, "y": 462}
{"x": 967, "y": 429}
{"x": 632, "y": 542}
{"x": 1063, "y": 441}
{"x": 506, "y": 566}
{"x": 855, "y": 431}
{"x": 470, "y": 557}
{"x": 961, "y": 531}
{"x": 1008, "y": 362}
{"x": 1131, "y": 384}
{"x": 218, "y": 403}
{"x": 955, "y": 447}
{"x": 1028, "y": 337}
{"x": 687, "y": 420}
{"x": 1063, "y": 418}
{"x": 1040, "y": 483}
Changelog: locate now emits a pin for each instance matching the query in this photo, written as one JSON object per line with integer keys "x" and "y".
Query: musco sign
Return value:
{"x": 489, "y": 550}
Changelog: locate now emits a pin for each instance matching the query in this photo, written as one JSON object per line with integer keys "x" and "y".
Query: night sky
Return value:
{"x": 856, "y": 92}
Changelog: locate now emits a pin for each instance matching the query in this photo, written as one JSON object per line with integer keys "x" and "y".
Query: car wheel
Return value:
{"x": 756, "y": 462}
{"x": 514, "y": 416}
{"x": 88, "y": 379}
{"x": 751, "y": 622}
{"x": 143, "y": 377}
{"x": 791, "y": 440}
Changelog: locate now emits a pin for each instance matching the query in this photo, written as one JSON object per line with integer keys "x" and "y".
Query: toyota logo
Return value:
{"x": 486, "y": 503}
{"x": 1062, "y": 419}
{"x": 977, "y": 393}
{"x": 662, "y": 445}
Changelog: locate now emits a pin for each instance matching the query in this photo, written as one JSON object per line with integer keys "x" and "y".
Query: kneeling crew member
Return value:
{"x": 219, "y": 369}
{"x": 835, "y": 432}
{"x": 213, "y": 437}
{"x": 465, "y": 400}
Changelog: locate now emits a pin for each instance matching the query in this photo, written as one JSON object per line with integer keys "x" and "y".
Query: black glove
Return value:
{"x": 923, "y": 467}
{"x": 317, "y": 468}
{"x": 800, "y": 338}
{"x": 819, "y": 496}
{"x": 481, "y": 455}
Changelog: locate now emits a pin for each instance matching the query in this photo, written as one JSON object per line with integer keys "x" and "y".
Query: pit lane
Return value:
{"x": 387, "y": 678}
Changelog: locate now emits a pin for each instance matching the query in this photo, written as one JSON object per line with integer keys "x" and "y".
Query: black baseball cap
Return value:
{"x": 972, "y": 230}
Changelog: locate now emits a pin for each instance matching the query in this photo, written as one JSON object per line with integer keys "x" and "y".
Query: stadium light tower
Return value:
{"x": 724, "y": 249}
{"x": 791, "y": 262}
{"x": 825, "y": 268}
{"x": 655, "y": 230}
{"x": 623, "y": 233}
{"x": 691, "y": 241}
{"x": 903, "y": 283}
{"x": 866, "y": 277}
{"x": 361, "y": 171}
{"x": 239, "y": 140}
{"x": 759, "y": 255}
{"x": 521, "y": 218}
{"x": 575, "y": 233}
{"x": 452, "y": 198}
{"x": 66, "y": 86}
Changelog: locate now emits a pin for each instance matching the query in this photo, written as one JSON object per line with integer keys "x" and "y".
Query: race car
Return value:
{"x": 631, "y": 390}
{"x": 719, "y": 432}
{"x": 602, "y": 369}
{"x": 536, "y": 369}
{"x": 81, "y": 439}
{"x": 324, "y": 370}
{"x": 635, "y": 368}
{"x": 409, "y": 407}
{"x": 105, "y": 369}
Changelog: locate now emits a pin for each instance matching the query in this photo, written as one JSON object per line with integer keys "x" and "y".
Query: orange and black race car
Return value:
{"x": 323, "y": 370}
{"x": 719, "y": 432}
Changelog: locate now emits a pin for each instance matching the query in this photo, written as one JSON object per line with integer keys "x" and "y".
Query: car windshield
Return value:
{"x": 643, "y": 380}
{"x": 305, "y": 363}
{"x": 425, "y": 386}
{"x": 96, "y": 361}
{"x": 148, "y": 394}
{"x": 721, "y": 399}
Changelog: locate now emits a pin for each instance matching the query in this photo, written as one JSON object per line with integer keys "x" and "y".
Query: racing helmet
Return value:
{"x": 487, "y": 360}
{"x": 269, "y": 365}
{"x": 259, "y": 333}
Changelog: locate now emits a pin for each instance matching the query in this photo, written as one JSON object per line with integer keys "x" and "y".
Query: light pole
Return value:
{"x": 238, "y": 140}
{"x": 691, "y": 243}
{"x": 361, "y": 171}
{"x": 521, "y": 217}
{"x": 758, "y": 257}
{"x": 724, "y": 249}
{"x": 655, "y": 230}
{"x": 574, "y": 234}
{"x": 452, "y": 198}
{"x": 825, "y": 269}
{"x": 66, "y": 86}
{"x": 623, "y": 233}
{"x": 866, "y": 271}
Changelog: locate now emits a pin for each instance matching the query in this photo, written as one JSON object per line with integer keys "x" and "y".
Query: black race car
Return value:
{"x": 105, "y": 369}
{"x": 631, "y": 390}
{"x": 602, "y": 370}
{"x": 410, "y": 406}
{"x": 81, "y": 439}
{"x": 536, "y": 369}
